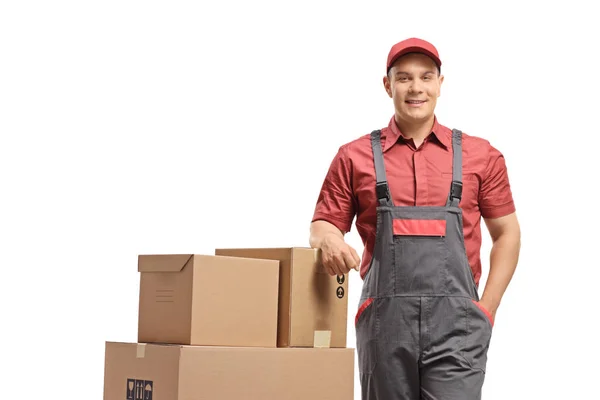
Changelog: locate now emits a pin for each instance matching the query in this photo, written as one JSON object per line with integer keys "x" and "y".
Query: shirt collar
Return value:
{"x": 439, "y": 132}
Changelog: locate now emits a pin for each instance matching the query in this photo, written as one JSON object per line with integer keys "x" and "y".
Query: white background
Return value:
{"x": 132, "y": 127}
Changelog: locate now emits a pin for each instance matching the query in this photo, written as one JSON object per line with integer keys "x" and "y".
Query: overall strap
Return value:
{"x": 456, "y": 186}
{"x": 382, "y": 188}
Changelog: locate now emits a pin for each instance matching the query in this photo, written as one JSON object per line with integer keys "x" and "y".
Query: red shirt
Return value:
{"x": 416, "y": 177}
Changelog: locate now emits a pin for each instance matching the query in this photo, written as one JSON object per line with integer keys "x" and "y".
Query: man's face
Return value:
{"x": 414, "y": 84}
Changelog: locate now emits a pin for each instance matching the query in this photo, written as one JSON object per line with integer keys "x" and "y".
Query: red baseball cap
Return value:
{"x": 412, "y": 45}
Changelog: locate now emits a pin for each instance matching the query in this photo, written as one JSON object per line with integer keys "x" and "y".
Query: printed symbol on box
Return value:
{"x": 341, "y": 279}
{"x": 139, "y": 389}
{"x": 148, "y": 385}
{"x": 340, "y": 292}
{"x": 130, "y": 387}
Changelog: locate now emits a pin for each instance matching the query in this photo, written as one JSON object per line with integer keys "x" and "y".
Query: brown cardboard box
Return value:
{"x": 208, "y": 300}
{"x": 313, "y": 306}
{"x": 175, "y": 372}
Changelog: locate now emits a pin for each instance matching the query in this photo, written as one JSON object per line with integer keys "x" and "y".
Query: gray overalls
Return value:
{"x": 420, "y": 331}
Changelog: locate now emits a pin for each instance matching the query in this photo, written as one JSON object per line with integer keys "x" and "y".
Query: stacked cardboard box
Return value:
{"x": 257, "y": 323}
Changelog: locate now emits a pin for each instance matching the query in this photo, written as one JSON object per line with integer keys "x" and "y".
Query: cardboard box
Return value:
{"x": 313, "y": 305}
{"x": 208, "y": 300}
{"x": 174, "y": 372}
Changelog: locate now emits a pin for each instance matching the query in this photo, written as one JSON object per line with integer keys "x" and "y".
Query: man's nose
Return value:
{"x": 415, "y": 86}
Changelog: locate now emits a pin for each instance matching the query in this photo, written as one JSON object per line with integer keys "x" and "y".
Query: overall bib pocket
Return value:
{"x": 420, "y": 251}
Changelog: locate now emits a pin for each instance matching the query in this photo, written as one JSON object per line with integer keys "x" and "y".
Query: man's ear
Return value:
{"x": 387, "y": 85}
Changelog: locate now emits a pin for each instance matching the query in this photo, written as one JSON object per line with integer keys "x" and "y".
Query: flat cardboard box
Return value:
{"x": 174, "y": 372}
{"x": 313, "y": 305}
{"x": 208, "y": 300}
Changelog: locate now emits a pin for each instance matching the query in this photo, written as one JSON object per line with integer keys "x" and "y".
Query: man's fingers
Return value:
{"x": 328, "y": 264}
{"x": 331, "y": 265}
{"x": 356, "y": 258}
{"x": 349, "y": 261}
{"x": 331, "y": 271}
{"x": 340, "y": 265}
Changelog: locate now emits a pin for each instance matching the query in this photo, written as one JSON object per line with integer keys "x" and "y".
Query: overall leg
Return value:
{"x": 454, "y": 360}
{"x": 388, "y": 355}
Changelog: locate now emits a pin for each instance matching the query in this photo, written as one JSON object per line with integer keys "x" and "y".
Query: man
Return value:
{"x": 419, "y": 190}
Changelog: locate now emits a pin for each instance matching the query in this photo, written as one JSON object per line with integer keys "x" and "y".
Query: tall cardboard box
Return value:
{"x": 313, "y": 305}
{"x": 208, "y": 300}
{"x": 175, "y": 372}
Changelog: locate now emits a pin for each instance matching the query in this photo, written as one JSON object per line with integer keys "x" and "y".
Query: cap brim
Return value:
{"x": 415, "y": 49}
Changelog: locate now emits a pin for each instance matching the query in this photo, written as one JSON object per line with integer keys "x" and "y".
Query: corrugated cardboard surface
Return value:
{"x": 150, "y": 374}
{"x": 319, "y": 301}
{"x": 208, "y": 300}
{"x": 310, "y": 300}
{"x": 235, "y": 301}
{"x": 230, "y": 373}
{"x": 165, "y": 302}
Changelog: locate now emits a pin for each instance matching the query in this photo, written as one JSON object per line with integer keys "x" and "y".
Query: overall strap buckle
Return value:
{"x": 456, "y": 190}
{"x": 383, "y": 191}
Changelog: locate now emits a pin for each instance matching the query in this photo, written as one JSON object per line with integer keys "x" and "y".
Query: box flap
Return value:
{"x": 163, "y": 262}
{"x": 267, "y": 253}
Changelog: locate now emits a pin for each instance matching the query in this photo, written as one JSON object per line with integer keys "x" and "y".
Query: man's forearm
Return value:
{"x": 319, "y": 230}
{"x": 503, "y": 262}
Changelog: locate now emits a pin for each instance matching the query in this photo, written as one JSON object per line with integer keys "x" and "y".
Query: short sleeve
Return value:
{"x": 495, "y": 196}
{"x": 336, "y": 201}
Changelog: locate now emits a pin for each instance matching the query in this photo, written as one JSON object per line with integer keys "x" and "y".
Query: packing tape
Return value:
{"x": 322, "y": 339}
{"x": 141, "y": 350}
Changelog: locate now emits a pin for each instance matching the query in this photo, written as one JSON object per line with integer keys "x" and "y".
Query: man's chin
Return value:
{"x": 416, "y": 115}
